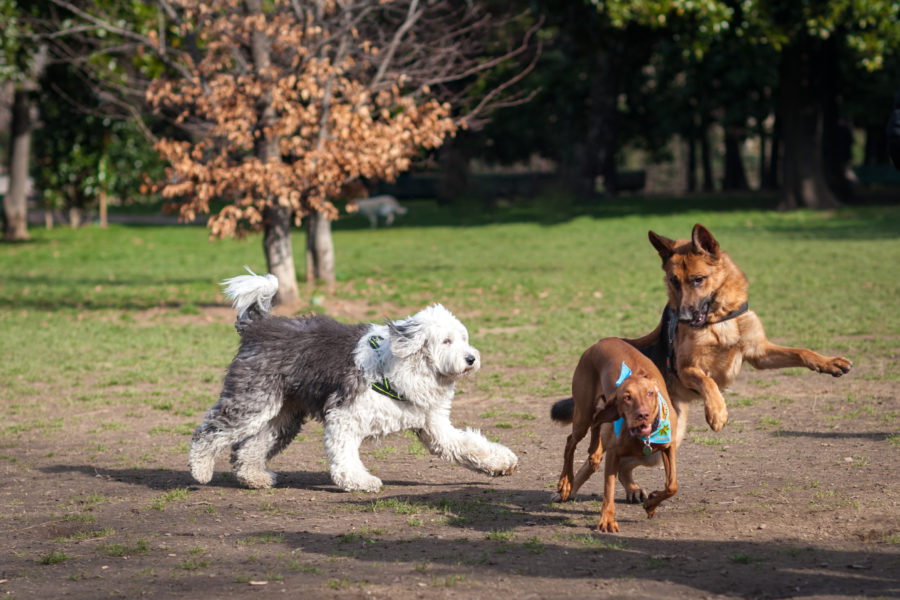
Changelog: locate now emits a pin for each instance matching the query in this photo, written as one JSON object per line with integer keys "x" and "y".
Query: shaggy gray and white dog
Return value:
{"x": 362, "y": 381}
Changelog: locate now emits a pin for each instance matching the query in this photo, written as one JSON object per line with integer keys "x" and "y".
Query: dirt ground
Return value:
{"x": 797, "y": 497}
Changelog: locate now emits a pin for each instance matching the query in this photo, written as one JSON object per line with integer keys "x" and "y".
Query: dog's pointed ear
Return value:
{"x": 407, "y": 337}
{"x": 703, "y": 242}
{"x": 663, "y": 245}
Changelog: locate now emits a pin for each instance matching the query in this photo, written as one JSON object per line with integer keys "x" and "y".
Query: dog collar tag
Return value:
{"x": 648, "y": 450}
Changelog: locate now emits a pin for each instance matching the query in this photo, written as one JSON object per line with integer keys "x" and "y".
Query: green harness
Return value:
{"x": 384, "y": 388}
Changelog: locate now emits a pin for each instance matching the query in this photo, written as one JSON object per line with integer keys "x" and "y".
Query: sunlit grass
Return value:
{"x": 116, "y": 317}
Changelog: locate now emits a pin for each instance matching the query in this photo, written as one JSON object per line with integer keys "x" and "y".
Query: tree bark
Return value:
{"x": 770, "y": 181}
{"x": 837, "y": 135}
{"x": 600, "y": 143}
{"x": 709, "y": 184}
{"x": 762, "y": 156}
{"x": 319, "y": 250}
{"x": 691, "y": 179}
{"x": 279, "y": 253}
{"x": 876, "y": 145}
{"x": 15, "y": 202}
{"x": 735, "y": 176}
{"x": 803, "y": 168}
{"x": 276, "y": 218}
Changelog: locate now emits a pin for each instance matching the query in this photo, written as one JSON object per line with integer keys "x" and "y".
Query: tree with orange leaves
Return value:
{"x": 287, "y": 101}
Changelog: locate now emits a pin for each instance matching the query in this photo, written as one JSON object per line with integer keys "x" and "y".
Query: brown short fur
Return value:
{"x": 704, "y": 285}
{"x": 598, "y": 402}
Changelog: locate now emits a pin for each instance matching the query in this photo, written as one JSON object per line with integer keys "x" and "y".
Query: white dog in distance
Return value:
{"x": 383, "y": 206}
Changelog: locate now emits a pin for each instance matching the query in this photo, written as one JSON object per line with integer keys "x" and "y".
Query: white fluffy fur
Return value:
{"x": 422, "y": 367}
{"x": 422, "y": 357}
{"x": 247, "y": 290}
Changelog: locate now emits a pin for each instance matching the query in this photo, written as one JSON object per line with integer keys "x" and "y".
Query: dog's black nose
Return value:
{"x": 470, "y": 359}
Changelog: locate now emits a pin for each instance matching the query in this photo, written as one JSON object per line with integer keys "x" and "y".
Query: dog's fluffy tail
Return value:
{"x": 562, "y": 411}
{"x": 251, "y": 295}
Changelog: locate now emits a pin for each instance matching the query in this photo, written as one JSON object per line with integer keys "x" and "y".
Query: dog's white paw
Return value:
{"x": 256, "y": 480}
{"x": 360, "y": 482}
{"x": 202, "y": 470}
{"x": 504, "y": 462}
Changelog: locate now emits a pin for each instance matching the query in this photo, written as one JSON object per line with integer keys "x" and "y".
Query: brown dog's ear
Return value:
{"x": 607, "y": 414}
{"x": 662, "y": 244}
{"x": 702, "y": 241}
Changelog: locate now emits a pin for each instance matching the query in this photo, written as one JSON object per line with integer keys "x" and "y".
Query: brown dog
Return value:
{"x": 613, "y": 382}
{"x": 707, "y": 332}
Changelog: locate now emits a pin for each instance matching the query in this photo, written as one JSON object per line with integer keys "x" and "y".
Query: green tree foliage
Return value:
{"x": 82, "y": 153}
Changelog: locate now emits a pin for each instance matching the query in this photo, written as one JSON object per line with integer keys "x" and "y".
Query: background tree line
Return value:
{"x": 263, "y": 112}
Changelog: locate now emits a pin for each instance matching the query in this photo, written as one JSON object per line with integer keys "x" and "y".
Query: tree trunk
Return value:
{"x": 600, "y": 144}
{"x": 319, "y": 250}
{"x": 770, "y": 182}
{"x": 276, "y": 218}
{"x": 102, "y": 203}
{"x": 453, "y": 159}
{"x": 735, "y": 176}
{"x": 803, "y": 170}
{"x": 15, "y": 203}
{"x": 876, "y": 145}
{"x": 279, "y": 253}
{"x": 837, "y": 135}
{"x": 691, "y": 163}
{"x": 709, "y": 184}
{"x": 762, "y": 156}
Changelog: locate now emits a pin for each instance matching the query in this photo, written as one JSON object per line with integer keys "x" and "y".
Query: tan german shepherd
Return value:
{"x": 706, "y": 333}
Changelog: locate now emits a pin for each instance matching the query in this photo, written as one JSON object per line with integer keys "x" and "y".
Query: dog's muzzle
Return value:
{"x": 696, "y": 317}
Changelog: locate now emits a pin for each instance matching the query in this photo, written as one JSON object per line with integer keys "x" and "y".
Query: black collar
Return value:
{"x": 670, "y": 326}
{"x": 735, "y": 313}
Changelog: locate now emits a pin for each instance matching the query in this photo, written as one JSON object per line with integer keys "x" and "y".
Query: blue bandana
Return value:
{"x": 663, "y": 433}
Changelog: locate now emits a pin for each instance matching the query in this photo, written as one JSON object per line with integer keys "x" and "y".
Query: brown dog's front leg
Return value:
{"x": 608, "y": 510}
{"x": 564, "y": 487}
{"x": 716, "y": 412}
{"x": 668, "y": 456}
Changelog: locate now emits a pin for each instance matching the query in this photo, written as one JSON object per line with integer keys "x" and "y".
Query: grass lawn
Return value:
{"x": 94, "y": 313}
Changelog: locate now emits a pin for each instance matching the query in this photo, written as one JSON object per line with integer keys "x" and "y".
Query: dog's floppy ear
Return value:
{"x": 663, "y": 245}
{"x": 703, "y": 242}
{"x": 407, "y": 337}
{"x": 607, "y": 412}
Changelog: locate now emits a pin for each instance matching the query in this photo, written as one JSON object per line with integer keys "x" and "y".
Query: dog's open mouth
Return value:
{"x": 699, "y": 316}
{"x": 699, "y": 319}
{"x": 642, "y": 430}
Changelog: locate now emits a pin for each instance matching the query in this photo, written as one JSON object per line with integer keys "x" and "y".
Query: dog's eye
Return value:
{"x": 696, "y": 281}
{"x": 675, "y": 283}
{"x": 448, "y": 341}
